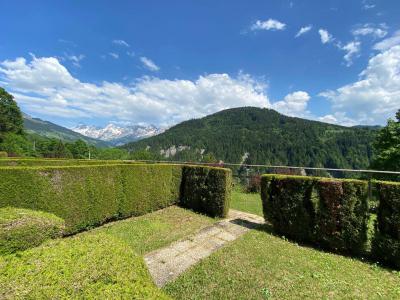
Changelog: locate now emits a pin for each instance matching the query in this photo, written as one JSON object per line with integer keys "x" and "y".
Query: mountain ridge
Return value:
{"x": 267, "y": 136}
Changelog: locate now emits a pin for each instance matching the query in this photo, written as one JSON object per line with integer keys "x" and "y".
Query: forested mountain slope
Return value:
{"x": 267, "y": 136}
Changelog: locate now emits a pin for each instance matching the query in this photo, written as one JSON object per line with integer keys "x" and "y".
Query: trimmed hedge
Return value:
{"x": 86, "y": 196}
{"x": 330, "y": 213}
{"x": 41, "y": 162}
{"x": 94, "y": 266}
{"x": 206, "y": 190}
{"x": 21, "y": 229}
{"x": 386, "y": 243}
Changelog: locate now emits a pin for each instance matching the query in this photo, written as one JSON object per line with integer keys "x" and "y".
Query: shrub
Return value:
{"x": 254, "y": 185}
{"x": 330, "y": 213}
{"x": 21, "y": 229}
{"x": 206, "y": 190}
{"x": 41, "y": 162}
{"x": 288, "y": 205}
{"x": 81, "y": 267}
{"x": 386, "y": 243}
{"x": 3, "y": 154}
{"x": 86, "y": 196}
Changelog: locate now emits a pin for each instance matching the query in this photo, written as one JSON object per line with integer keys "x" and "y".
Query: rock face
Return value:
{"x": 118, "y": 134}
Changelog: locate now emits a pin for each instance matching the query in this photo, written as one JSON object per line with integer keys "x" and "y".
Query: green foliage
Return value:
{"x": 206, "y": 190}
{"x": 386, "y": 244}
{"x": 81, "y": 267}
{"x": 3, "y": 154}
{"x": 143, "y": 155}
{"x": 330, "y": 213}
{"x": 15, "y": 145}
{"x": 21, "y": 229}
{"x": 86, "y": 196}
{"x": 10, "y": 115}
{"x": 387, "y": 147}
{"x": 112, "y": 153}
{"x": 268, "y": 137}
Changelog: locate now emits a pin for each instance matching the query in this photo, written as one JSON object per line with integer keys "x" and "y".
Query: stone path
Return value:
{"x": 168, "y": 263}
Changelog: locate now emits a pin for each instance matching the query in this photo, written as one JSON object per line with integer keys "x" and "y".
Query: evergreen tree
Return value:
{"x": 10, "y": 115}
{"x": 387, "y": 146}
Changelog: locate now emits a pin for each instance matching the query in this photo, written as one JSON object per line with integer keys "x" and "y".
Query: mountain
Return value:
{"x": 263, "y": 136}
{"x": 118, "y": 135}
{"x": 51, "y": 130}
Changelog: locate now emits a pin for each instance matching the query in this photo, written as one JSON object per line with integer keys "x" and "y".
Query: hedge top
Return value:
{"x": 311, "y": 178}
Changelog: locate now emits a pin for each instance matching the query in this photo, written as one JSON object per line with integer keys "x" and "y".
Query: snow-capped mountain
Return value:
{"x": 117, "y": 134}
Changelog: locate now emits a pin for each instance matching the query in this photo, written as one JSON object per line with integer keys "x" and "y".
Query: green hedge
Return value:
{"x": 40, "y": 162}
{"x": 81, "y": 267}
{"x": 386, "y": 243}
{"x": 330, "y": 213}
{"x": 86, "y": 196}
{"x": 206, "y": 190}
{"x": 21, "y": 229}
{"x": 3, "y": 154}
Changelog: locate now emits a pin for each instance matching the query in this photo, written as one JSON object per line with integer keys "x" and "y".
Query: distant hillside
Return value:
{"x": 264, "y": 136}
{"x": 51, "y": 130}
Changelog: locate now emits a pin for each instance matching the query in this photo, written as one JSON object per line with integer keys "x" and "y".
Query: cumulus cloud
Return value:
{"x": 375, "y": 96}
{"x": 371, "y": 30}
{"x": 269, "y": 24}
{"x": 149, "y": 64}
{"x": 352, "y": 49}
{"x": 303, "y": 30}
{"x": 388, "y": 42}
{"x": 121, "y": 43}
{"x": 326, "y": 37}
{"x": 44, "y": 86}
{"x": 294, "y": 104}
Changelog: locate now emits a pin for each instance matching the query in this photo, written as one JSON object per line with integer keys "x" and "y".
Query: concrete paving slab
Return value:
{"x": 168, "y": 263}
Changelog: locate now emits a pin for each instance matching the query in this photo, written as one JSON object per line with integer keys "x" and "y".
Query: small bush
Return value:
{"x": 21, "y": 229}
{"x": 206, "y": 190}
{"x": 3, "y": 154}
{"x": 254, "y": 185}
{"x": 386, "y": 243}
{"x": 330, "y": 213}
{"x": 82, "y": 267}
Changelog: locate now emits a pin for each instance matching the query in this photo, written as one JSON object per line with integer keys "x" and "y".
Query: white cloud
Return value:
{"x": 303, "y": 30}
{"x": 75, "y": 59}
{"x": 375, "y": 96}
{"x": 369, "y": 29}
{"x": 149, "y": 64}
{"x": 326, "y": 37}
{"x": 388, "y": 42}
{"x": 367, "y": 5}
{"x": 130, "y": 53}
{"x": 352, "y": 49}
{"x": 269, "y": 24}
{"x": 113, "y": 55}
{"x": 44, "y": 86}
{"x": 121, "y": 43}
{"x": 294, "y": 104}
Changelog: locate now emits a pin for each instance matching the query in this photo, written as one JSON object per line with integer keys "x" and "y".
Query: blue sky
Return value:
{"x": 162, "y": 62}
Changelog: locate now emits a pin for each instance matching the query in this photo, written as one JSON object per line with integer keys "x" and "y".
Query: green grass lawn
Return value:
{"x": 155, "y": 230}
{"x": 263, "y": 266}
{"x": 104, "y": 263}
{"x": 248, "y": 202}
